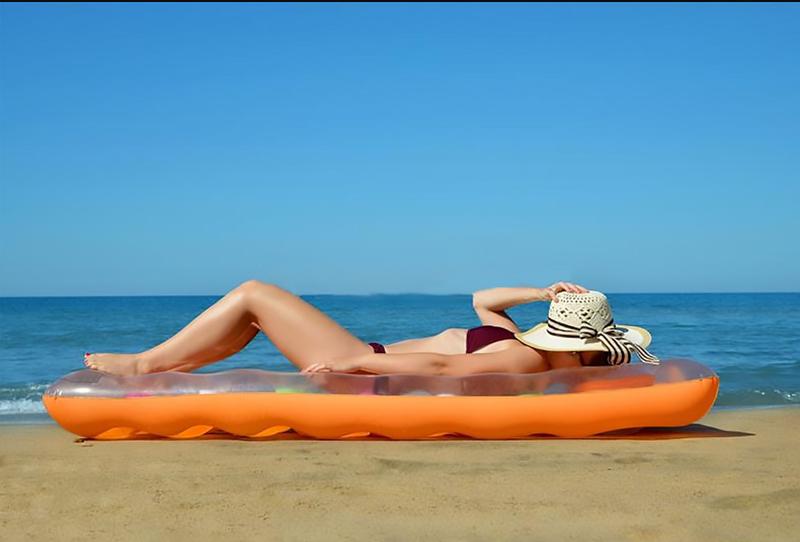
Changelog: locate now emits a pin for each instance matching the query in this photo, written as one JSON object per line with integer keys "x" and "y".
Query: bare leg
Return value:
{"x": 220, "y": 331}
{"x": 299, "y": 330}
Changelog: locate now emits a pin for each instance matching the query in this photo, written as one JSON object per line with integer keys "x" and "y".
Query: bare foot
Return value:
{"x": 117, "y": 364}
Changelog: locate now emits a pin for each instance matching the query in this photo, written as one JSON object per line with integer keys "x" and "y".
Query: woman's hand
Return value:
{"x": 341, "y": 365}
{"x": 557, "y": 287}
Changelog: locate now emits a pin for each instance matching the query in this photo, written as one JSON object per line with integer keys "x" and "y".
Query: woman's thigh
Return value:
{"x": 302, "y": 332}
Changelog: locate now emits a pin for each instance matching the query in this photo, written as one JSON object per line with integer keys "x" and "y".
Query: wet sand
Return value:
{"x": 735, "y": 475}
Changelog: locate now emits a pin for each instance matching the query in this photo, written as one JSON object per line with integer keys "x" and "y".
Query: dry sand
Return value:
{"x": 733, "y": 476}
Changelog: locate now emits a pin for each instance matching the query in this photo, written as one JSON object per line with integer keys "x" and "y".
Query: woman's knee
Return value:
{"x": 255, "y": 287}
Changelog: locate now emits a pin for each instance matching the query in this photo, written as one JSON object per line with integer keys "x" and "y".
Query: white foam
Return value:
{"x": 21, "y": 406}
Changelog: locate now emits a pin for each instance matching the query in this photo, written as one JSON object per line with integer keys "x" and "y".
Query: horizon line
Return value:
{"x": 375, "y": 294}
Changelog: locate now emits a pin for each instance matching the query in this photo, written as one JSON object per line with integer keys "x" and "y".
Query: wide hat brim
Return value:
{"x": 538, "y": 337}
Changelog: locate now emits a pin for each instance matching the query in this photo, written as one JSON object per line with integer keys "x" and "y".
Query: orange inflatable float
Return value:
{"x": 255, "y": 403}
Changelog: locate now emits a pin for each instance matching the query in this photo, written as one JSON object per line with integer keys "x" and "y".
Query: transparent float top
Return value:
{"x": 90, "y": 383}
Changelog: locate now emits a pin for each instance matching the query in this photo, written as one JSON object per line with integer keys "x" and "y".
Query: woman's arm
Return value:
{"x": 412, "y": 363}
{"x": 499, "y": 299}
{"x": 490, "y": 304}
{"x": 514, "y": 360}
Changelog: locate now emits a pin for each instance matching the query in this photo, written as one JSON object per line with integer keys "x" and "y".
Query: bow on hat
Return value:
{"x": 612, "y": 337}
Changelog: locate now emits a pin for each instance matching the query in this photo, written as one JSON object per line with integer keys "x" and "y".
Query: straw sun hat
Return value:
{"x": 581, "y": 322}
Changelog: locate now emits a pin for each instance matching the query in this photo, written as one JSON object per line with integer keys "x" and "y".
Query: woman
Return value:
{"x": 315, "y": 343}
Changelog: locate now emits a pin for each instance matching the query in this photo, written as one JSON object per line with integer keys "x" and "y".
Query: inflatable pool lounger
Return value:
{"x": 575, "y": 402}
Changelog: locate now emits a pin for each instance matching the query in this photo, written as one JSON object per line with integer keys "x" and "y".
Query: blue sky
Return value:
{"x": 181, "y": 149}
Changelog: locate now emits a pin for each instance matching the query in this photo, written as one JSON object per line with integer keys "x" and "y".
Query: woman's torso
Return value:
{"x": 454, "y": 341}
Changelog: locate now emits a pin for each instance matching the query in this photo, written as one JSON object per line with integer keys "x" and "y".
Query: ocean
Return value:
{"x": 750, "y": 340}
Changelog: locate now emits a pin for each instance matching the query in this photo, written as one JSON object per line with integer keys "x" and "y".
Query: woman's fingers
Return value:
{"x": 577, "y": 288}
{"x": 564, "y": 287}
{"x": 559, "y": 287}
{"x": 553, "y": 290}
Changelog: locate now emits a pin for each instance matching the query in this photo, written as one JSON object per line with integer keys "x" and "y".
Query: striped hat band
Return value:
{"x": 612, "y": 337}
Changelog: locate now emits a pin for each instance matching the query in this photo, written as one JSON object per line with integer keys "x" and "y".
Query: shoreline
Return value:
{"x": 730, "y": 476}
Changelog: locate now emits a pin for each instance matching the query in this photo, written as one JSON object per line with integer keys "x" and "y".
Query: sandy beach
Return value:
{"x": 731, "y": 476}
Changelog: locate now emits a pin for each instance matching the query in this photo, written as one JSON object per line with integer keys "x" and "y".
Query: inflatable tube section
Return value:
{"x": 574, "y": 402}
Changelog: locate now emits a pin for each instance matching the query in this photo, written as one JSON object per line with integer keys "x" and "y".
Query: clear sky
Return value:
{"x": 181, "y": 149}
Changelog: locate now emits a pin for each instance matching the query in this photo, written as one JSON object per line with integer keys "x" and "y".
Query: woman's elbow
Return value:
{"x": 441, "y": 366}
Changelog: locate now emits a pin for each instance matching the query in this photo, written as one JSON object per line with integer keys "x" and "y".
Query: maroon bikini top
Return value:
{"x": 478, "y": 337}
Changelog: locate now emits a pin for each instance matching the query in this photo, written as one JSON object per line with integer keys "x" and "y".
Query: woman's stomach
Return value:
{"x": 449, "y": 341}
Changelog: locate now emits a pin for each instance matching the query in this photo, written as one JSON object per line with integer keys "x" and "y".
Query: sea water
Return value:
{"x": 750, "y": 340}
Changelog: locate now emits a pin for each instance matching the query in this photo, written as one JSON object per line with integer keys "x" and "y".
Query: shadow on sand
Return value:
{"x": 692, "y": 431}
